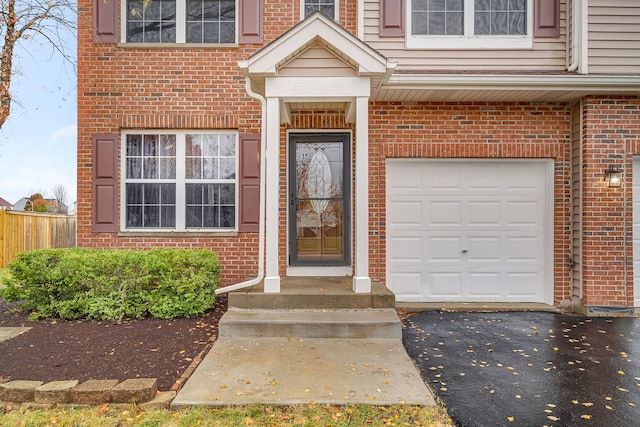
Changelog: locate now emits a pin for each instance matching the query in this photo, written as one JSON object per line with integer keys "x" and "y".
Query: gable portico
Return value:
{"x": 343, "y": 85}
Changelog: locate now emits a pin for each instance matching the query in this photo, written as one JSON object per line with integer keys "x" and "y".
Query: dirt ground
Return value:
{"x": 81, "y": 350}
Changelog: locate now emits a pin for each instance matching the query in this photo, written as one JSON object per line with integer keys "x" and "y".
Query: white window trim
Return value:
{"x": 469, "y": 40}
{"x": 335, "y": 9}
{"x": 180, "y": 181}
{"x": 181, "y": 28}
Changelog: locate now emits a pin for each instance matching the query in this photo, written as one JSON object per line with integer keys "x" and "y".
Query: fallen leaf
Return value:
{"x": 621, "y": 372}
{"x": 510, "y": 419}
{"x": 585, "y": 417}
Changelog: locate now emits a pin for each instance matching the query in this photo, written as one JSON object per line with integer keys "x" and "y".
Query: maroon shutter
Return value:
{"x": 249, "y": 183}
{"x": 250, "y": 22}
{"x": 391, "y": 18}
{"x": 105, "y": 183}
{"x": 105, "y": 21}
{"x": 547, "y": 18}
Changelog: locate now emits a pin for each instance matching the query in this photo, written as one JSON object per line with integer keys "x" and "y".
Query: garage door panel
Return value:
{"x": 444, "y": 213}
{"x": 446, "y": 284}
{"x": 520, "y": 213}
{"x": 444, "y": 249}
{"x": 484, "y": 213}
{"x": 408, "y": 285}
{"x": 525, "y": 285}
{"x": 406, "y": 213}
{"x": 485, "y": 286}
{"x": 407, "y": 249}
{"x": 524, "y": 249}
{"x": 483, "y": 249}
{"x": 483, "y": 225}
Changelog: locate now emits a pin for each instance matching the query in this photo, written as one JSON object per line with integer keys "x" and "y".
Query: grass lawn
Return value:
{"x": 255, "y": 415}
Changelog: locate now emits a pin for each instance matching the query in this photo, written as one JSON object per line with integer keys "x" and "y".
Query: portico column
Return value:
{"x": 272, "y": 274}
{"x": 361, "y": 279}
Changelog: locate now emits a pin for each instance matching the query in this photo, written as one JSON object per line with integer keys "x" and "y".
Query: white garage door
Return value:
{"x": 472, "y": 230}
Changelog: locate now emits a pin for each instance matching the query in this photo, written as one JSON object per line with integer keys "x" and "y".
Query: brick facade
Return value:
{"x": 123, "y": 87}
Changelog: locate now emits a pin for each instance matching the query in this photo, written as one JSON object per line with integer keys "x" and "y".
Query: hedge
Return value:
{"x": 77, "y": 283}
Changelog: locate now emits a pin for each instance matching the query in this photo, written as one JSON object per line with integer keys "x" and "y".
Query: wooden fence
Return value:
{"x": 25, "y": 231}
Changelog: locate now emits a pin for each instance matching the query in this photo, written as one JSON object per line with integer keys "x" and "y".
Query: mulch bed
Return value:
{"x": 82, "y": 349}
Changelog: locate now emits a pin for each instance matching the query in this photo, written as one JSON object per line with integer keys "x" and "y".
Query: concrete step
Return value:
{"x": 317, "y": 293}
{"x": 368, "y": 323}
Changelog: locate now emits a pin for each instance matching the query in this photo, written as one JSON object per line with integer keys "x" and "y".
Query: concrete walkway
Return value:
{"x": 286, "y": 371}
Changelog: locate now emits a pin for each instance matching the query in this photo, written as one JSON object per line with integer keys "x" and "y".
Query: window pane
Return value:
{"x": 500, "y": 17}
{"x": 134, "y": 216}
{"x": 167, "y": 217}
{"x": 134, "y": 168}
{"x": 134, "y": 194}
{"x": 150, "y": 168}
{"x": 227, "y": 216}
{"x": 192, "y": 145}
{"x": 211, "y": 21}
{"x": 326, "y": 7}
{"x": 193, "y": 217}
{"x": 194, "y": 32}
{"x": 134, "y": 145}
{"x": 168, "y": 194}
{"x": 210, "y": 168}
{"x": 167, "y": 168}
{"x": 209, "y": 145}
{"x": 499, "y": 24}
{"x": 193, "y": 168}
{"x": 210, "y": 206}
{"x": 153, "y": 24}
{"x": 150, "y": 205}
{"x": 437, "y": 17}
{"x": 227, "y": 32}
{"x": 227, "y": 168}
{"x": 151, "y": 194}
{"x": 227, "y": 145}
{"x": 227, "y": 194}
{"x": 517, "y": 24}
{"x": 167, "y": 145}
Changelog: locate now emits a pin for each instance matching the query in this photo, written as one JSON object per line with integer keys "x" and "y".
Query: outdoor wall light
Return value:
{"x": 613, "y": 176}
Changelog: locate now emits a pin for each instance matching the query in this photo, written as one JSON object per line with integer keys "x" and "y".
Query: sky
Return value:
{"x": 38, "y": 140}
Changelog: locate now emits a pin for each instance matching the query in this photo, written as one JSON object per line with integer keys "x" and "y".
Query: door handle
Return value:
{"x": 464, "y": 251}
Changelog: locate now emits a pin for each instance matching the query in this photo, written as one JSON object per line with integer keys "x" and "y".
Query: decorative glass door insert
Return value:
{"x": 319, "y": 199}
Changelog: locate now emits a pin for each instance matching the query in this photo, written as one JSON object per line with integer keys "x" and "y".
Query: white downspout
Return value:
{"x": 578, "y": 37}
{"x": 572, "y": 41}
{"x": 261, "y": 241}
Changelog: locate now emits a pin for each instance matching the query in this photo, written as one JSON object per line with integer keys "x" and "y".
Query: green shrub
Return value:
{"x": 113, "y": 284}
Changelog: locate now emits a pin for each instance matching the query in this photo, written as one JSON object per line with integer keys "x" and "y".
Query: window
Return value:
{"x": 181, "y": 21}
{"x": 449, "y": 24}
{"x": 180, "y": 181}
{"x": 327, "y": 7}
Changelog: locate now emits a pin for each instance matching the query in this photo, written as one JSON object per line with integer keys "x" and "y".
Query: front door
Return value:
{"x": 319, "y": 195}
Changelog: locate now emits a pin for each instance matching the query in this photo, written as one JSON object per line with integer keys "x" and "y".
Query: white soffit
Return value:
{"x": 317, "y": 29}
{"x": 504, "y": 88}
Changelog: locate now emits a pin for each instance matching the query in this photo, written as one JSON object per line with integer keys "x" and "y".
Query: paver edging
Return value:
{"x": 139, "y": 391}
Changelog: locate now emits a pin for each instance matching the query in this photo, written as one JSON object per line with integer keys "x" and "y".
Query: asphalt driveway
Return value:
{"x": 529, "y": 368}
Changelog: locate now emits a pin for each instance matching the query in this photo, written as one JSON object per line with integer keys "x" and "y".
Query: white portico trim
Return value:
{"x": 282, "y": 91}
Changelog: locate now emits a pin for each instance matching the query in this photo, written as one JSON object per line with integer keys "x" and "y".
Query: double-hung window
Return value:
{"x": 180, "y": 21}
{"x": 326, "y": 7}
{"x": 180, "y": 181}
{"x": 446, "y": 24}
